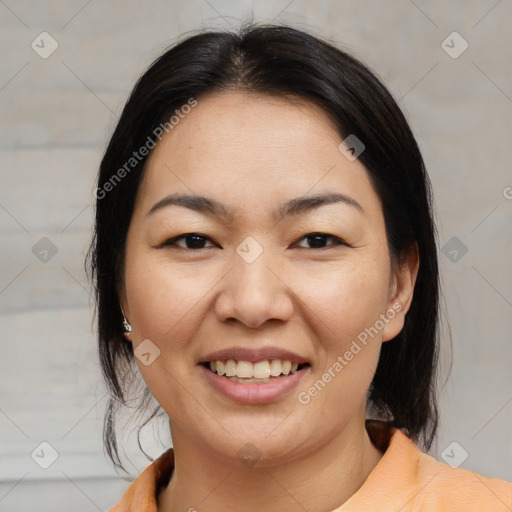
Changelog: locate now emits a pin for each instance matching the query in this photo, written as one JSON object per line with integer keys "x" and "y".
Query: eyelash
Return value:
{"x": 172, "y": 241}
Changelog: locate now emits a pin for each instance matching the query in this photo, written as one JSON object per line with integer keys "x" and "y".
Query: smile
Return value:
{"x": 253, "y": 390}
{"x": 259, "y": 372}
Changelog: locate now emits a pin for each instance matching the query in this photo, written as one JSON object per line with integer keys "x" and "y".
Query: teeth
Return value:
{"x": 220, "y": 368}
{"x": 275, "y": 368}
{"x": 230, "y": 367}
{"x": 244, "y": 369}
{"x": 261, "y": 370}
{"x": 247, "y": 370}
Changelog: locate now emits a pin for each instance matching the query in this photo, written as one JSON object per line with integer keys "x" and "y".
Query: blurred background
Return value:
{"x": 67, "y": 68}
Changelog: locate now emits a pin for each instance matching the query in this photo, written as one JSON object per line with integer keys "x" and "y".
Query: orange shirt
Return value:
{"x": 404, "y": 480}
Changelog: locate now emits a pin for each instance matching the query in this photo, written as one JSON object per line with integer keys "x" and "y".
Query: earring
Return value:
{"x": 127, "y": 326}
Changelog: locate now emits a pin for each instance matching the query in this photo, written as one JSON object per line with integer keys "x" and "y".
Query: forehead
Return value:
{"x": 223, "y": 123}
{"x": 232, "y": 145}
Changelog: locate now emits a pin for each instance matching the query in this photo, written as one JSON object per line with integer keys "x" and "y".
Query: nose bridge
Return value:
{"x": 252, "y": 292}
{"x": 252, "y": 271}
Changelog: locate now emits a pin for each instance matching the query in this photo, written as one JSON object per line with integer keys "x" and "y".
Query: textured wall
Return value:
{"x": 57, "y": 110}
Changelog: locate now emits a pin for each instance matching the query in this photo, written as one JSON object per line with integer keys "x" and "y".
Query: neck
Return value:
{"x": 319, "y": 481}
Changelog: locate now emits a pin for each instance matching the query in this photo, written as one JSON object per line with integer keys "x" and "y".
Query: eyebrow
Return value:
{"x": 212, "y": 207}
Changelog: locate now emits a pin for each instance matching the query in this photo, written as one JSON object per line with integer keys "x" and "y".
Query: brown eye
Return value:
{"x": 189, "y": 241}
{"x": 319, "y": 240}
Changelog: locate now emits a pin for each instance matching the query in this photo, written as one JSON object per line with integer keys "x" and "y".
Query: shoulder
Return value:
{"x": 441, "y": 487}
{"x": 142, "y": 494}
{"x": 408, "y": 480}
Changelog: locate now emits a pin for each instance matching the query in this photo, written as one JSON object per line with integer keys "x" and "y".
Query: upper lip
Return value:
{"x": 253, "y": 355}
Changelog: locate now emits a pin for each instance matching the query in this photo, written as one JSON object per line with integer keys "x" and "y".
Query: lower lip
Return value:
{"x": 253, "y": 393}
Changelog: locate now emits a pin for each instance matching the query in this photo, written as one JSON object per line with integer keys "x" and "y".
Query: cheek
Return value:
{"x": 345, "y": 300}
{"x": 163, "y": 299}
{"x": 344, "y": 308}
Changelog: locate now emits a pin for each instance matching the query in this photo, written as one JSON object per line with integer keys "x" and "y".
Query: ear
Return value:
{"x": 403, "y": 280}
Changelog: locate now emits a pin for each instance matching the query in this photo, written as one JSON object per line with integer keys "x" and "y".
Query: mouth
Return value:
{"x": 253, "y": 376}
{"x": 264, "y": 371}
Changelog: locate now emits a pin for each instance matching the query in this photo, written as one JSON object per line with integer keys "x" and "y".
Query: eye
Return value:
{"x": 318, "y": 240}
{"x": 188, "y": 241}
{"x": 198, "y": 241}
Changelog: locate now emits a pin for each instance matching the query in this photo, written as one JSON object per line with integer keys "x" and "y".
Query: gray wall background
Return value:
{"x": 56, "y": 114}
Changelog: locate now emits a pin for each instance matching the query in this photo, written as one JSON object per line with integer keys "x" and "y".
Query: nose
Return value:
{"x": 254, "y": 293}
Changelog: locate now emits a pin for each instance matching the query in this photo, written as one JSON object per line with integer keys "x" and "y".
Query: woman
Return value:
{"x": 265, "y": 254}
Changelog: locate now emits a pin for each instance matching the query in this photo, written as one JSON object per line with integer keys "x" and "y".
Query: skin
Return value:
{"x": 253, "y": 153}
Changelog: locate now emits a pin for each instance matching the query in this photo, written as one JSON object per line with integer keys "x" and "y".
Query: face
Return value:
{"x": 268, "y": 277}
